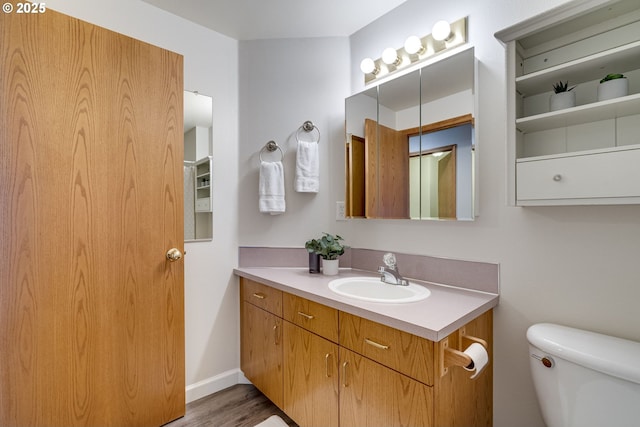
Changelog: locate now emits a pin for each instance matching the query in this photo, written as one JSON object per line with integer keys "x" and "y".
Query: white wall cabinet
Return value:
{"x": 586, "y": 154}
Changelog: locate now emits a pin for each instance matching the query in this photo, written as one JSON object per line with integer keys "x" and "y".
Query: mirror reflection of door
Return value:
{"x": 355, "y": 169}
{"x": 432, "y": 185}
{"x": 387, "y": 172}
{"x": 446, "y": 183}
{"x": 441, "y": 170}
{"x": 198, "y": 120}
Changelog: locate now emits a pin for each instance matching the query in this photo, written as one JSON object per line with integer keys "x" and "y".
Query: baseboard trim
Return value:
{"x": 214, "y": 384}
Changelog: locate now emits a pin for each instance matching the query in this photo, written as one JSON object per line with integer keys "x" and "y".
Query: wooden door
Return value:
{"x": 393, "y": 174}
{"x": 372, "y": 395}
{"x": 91, "y": 311}
{"x": 371, "y": 169}
{"x": 310, "y": 378}
{"x": 355, "y": 172}
{"x": 447, "y": 185}
{"x": 261, "y": 352}
{"x": 386, "y": 172}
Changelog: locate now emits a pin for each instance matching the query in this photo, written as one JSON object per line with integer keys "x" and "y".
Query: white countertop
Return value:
{"x": 447, "y": 308}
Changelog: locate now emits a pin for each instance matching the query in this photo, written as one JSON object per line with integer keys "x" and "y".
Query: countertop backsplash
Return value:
{"x": 473, "y": 275}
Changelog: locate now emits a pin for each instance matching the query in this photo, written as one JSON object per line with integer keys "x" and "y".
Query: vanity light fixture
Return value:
{"x": 368, "y": 66}
{"x": 444, "y": 36}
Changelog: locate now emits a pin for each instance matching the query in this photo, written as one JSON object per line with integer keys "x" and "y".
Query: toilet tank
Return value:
{"x": 584, "y": 379}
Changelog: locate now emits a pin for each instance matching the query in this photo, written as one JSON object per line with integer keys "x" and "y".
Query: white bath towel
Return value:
{"x": 271, "y": 188}
{"x": 307, "y": 167}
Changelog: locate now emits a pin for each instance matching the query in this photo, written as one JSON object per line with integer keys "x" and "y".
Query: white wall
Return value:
{"x": 211, "y": 301}
{"x": 283, "y": 83}
{"x": 572, "y": 265}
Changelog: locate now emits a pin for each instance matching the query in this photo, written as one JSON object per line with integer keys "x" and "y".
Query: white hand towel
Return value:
{"x": 271, "y": 188}
{"x": 307, "y": 167}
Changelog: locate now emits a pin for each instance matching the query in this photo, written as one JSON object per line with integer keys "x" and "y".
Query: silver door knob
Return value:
{"x": 174, "y": 255}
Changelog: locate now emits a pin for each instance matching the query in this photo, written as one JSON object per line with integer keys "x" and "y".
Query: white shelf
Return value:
{"x": 578, "y": 161}
{"x": 634, "y": 147}
{"x": 603, "y": 110}
{"x": 593, "y": 67}
{"x": 203, "y": 192}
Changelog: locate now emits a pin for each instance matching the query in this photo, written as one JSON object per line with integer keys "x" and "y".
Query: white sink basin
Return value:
{"x": 374, "y": 290}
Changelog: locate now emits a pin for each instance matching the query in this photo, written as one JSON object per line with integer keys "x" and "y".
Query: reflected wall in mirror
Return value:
{"x": 410, "y": 144}
{"x": 198, "y": 121}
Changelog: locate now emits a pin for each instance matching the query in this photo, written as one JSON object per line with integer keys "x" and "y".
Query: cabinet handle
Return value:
{"x": 275, "y": 334}
{"x": 376, "y": 345}
{"x": 305, "y": 315}
{"x": 326, "y": 364}
{"x": 344, "y": 374}
{"x": 557, "y": 177}
{"x": 259, "y": 296}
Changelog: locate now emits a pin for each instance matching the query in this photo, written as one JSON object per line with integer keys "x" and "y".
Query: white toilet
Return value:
{"x": 584, "y": 379}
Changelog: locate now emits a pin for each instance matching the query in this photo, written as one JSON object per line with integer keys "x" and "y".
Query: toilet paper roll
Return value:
{"x": 479, "y": 356}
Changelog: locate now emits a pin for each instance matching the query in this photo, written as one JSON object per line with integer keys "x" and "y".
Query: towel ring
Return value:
{"x": 271, "y": 146}
{"x": 307, "y": 126}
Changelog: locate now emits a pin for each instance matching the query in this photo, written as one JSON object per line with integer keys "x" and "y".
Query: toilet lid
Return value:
{"x": 610, "y": 355}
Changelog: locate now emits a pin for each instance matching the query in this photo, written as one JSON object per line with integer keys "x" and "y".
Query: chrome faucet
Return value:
{"x": 390, "y": 273}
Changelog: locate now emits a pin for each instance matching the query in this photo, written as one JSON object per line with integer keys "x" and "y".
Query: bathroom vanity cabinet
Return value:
{"x": 586, "y": 154}
{"x": 310, "y": 377}
{"x": 327, "y": 367}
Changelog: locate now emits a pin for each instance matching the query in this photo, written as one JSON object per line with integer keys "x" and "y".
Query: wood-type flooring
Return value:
{"x": 241, "y": 405}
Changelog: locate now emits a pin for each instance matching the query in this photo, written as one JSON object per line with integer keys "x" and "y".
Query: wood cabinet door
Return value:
{"x": 372, "y": 395}
{"x": 91, "y": 151}
{"x": 261, "y": 351}
{"x": 310, "y": 378}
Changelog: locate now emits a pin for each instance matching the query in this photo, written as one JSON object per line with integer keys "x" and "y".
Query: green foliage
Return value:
{"x": 562, "y": 87}
{"x": 612, "y": 77}
{"x": 328, "y": 246}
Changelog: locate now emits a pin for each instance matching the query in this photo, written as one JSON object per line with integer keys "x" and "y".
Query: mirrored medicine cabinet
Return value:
{"x": 410, "y": 144}
{"x": 198, "y": 122}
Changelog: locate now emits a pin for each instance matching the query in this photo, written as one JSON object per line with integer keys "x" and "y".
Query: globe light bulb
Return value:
{"x": 441, "y": 31}
{"x": 390, "y": 56}
{"x": 367, "y": 66}
{"x": 413, "y": 45}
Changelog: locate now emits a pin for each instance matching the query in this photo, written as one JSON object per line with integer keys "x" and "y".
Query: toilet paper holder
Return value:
{"x": 452, "y": 357}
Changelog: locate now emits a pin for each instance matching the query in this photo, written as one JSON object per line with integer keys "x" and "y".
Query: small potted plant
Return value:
{"x": 562, "y": 96}
{"x": 612, "y": 86}
{"x": 329, "y": 247}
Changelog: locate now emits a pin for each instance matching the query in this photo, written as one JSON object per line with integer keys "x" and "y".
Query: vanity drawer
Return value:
{"x": 314, "y": 317}
{"x": 401, "y": 351}
{"x": 265, "y": 297}
{"x": 582, "y": 176}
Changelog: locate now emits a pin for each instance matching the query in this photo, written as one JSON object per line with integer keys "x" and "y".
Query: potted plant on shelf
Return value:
{"x": 329, "y": 248}
{"x": 562, "y": 96}
{"x": 612, "y": 86}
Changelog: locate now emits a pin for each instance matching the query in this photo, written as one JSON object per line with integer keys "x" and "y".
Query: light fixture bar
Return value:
{"x": 416, "y": 50}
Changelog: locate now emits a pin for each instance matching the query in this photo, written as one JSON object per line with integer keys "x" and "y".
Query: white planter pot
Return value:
{"x": 613, "y": 89}
{"x": 330, "y": 267}
{"x": 562, "y": 100}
